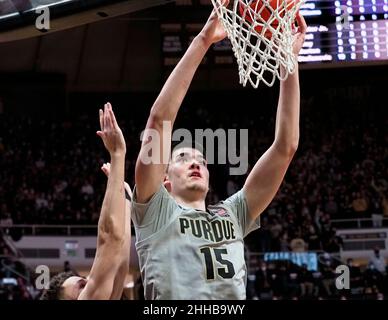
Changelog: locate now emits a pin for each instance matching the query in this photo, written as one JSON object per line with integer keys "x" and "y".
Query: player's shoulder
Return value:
{"x": 237, "y": 197}
{"x": 160, "y": 194}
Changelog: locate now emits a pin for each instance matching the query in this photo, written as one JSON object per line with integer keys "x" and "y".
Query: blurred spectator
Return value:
{"x": 334, "y": 243}
{"x": 263, "y": 281}
{"x": 87, "y": 189}
{"x": 372, "y": 279}
{"x": 328, "y": 279}
{"x": 6, "y": 220}
{"x": 380, "y": 205}
{"x": 67, "y": 267}
{"x": 355, "y": 274}
{"x": 360, "y": 204}
{"x": 297, "y": 244}
{"x": 313, "y": 240}
{"x": 380, "y": 296}
{"x": 331, "y": 206}
{"x": 306, "y": 282}
{"x": 284, "y": 242}
{"x": 293, "y": 280}
{"x": 378, "y": 261}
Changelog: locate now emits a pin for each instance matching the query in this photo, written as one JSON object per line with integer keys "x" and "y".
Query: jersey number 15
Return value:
{"x": 211, "y": 254}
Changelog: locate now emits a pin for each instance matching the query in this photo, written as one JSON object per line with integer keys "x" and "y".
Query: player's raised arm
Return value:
{"x": 123, "y": 268}
{"x": 267, "y": 175}
{"x": 112, "y": 222}
{"x": 149, "y": 176}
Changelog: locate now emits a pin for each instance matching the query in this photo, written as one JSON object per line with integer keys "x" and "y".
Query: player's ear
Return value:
{"x": 167, "y": 183}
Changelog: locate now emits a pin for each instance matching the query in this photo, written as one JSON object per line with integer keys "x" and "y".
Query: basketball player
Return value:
{"x": 111, "y": 263}
{"x": 187, "y": 250}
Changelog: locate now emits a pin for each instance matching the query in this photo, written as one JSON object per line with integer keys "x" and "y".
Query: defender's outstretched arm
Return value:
{"x": 112, "y": 222}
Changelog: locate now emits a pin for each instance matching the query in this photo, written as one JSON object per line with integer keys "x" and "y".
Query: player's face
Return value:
{"x": 188, "y": 172}
{"x": 72, "y": 287}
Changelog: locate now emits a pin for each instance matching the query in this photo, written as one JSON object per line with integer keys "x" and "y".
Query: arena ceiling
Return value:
{"x": 18, "y": 17}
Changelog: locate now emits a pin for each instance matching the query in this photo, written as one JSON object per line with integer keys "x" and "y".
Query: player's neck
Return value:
{"x": 195, "y": 204}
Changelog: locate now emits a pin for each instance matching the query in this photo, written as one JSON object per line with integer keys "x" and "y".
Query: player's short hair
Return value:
{"x": 175, "y": 145}
{"x": 55, "y": 290}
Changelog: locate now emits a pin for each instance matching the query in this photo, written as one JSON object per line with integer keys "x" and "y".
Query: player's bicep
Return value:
{"x": 264, "y": 180}
{"x": 148, "y": 178}
{"x": 153, "y": 158}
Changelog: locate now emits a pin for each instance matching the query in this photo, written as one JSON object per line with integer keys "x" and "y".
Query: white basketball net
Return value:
{"x": 261, "y": 37}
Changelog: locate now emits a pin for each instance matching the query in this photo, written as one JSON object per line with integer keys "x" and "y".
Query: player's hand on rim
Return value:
{"x": 214, "y": 31}
{"x": 300, "y": 33}
{"x": 110, "y": 132}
